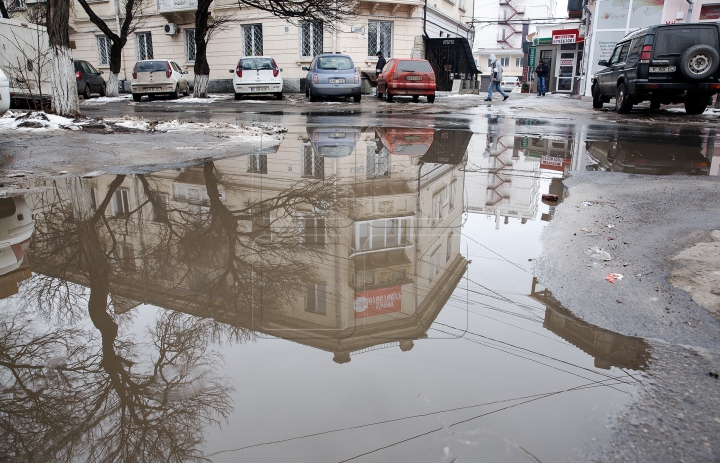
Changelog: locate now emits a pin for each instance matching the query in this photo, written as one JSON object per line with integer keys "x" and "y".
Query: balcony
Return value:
{"x": 177, "y": 6}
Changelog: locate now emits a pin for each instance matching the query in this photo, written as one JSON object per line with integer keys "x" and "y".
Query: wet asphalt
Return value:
{"x": 526, "y": 353}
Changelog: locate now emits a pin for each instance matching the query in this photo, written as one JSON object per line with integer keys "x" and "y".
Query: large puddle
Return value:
{"x": 361, "y": 294}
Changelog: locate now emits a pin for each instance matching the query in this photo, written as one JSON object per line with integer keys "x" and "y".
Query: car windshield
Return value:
{"x": 335, "y": 151}
{"x": 252, "y": 64}
{"x": 151, "y": 66}
{"x": 334, "y": 62}
{"x": 671, "y": 41}
{"x": 413, "y": 66}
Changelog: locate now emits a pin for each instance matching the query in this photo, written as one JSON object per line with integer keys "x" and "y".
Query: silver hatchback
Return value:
{"x": 332, "y": 75}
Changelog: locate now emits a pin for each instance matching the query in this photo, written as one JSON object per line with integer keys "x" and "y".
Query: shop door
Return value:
{"x": 565, "y": 72}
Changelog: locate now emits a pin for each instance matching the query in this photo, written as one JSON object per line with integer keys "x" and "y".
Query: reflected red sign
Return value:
{"x": 554, "y": 163}
{"x": 378, "y": 301}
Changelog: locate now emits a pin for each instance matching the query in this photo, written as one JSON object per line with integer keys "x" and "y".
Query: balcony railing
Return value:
{"x": 169, "y": 6}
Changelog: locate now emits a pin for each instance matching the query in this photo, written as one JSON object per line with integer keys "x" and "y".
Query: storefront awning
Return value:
{"x": 562, "y": 36}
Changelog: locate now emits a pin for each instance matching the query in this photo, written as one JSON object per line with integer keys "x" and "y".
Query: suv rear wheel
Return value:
{"x": 623, "y": 105}
{"x": 597, "y": 98}
{"x": 695, "y": 105}
{"x": 699, "y": 62}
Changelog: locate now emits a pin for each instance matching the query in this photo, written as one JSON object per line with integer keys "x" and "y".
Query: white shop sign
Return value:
{"x": 566, "y": 62}
{"x": 560, "y": 39}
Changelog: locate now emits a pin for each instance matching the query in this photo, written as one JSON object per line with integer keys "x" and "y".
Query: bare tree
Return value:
{"x": 331, "y": 13}
{"x": 65, "y": 101}
{"x": 133, "y": 10}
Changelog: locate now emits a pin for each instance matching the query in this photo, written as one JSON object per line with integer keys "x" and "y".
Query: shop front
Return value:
{"x": 562, "y": 52}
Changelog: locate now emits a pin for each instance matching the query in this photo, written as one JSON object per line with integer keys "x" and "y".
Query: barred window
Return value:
{"x": 190, "y": 47}
{"x": 378, "y": 162}
{"x": 252, "y": 40}
{"x": 313, "y": 165}
{"x": 257, "y": 163}
{"x": 144, "y": 46}
{"x": 380, "y": 38}
{"x": 311, "y": 38}
{"x": 104, "y": 45}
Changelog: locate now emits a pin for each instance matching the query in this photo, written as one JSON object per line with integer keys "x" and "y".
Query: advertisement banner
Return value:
{"x": 710, "y": 12}
{"x": 531, "y": 56}
{"x": 554, "y": 163}
{"x": 378, "y": 301}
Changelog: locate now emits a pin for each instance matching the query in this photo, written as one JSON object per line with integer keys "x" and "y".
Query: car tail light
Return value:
{"x": 432, "y": 77}
{"x": 315, "y": 79}
{"x": 645, "y": 53}
{"x": 393, "y": 76}
{"x": 700, "y": 164}
{"x": 78, "y": 75}
{"x": 714, "y": 86}
{"x": 168, "y": 72}
{"x": 357, "y": 78}
{"x": 135, "y": 71}
{"x": 276, "y": 71}
{"x": 651, "y": 86}
{"x": 238, "y": 69}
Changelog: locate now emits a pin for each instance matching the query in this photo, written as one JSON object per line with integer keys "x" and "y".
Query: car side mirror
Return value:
{"x": 101, "y": 73}
{"x": 281, "y": 70}
{"x": 231, "y": 71}
{"x": 603, "y": 62}
{"x": 186, "y": 72}
{"x": 305, "y": 68}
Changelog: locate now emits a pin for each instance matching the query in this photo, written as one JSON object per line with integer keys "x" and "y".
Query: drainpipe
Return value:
{"x": 690, "y": 8}
{"x": 425, "y": 34}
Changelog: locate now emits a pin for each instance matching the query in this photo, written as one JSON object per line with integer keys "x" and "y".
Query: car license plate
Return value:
{"x": 337, "y": 135}
{"x": 336, "y": 81}
{"x": 413, "y": 78}
{"x": 663, "y": 69}
{"x": 152, "y": 89}
{"x": 258, "y": 89}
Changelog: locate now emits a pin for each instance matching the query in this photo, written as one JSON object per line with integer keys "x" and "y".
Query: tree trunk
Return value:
{"x": 202, "y": 68}
{"x": 3, "y": 10}
{"x": 115, "y": 62}
{"x": 113, "y": 85}
{"x": 65, "y": 101}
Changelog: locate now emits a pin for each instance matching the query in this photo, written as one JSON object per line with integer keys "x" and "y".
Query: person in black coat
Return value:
{"x": 380, "y": 63}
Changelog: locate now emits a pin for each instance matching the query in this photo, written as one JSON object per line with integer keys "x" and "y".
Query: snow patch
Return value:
{"x": 105, "y": 100}
{"x": 193, "y": 100}
{"x": 37, "y": 121}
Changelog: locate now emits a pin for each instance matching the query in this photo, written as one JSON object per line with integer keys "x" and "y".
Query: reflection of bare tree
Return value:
{"x": 69, "y": 394}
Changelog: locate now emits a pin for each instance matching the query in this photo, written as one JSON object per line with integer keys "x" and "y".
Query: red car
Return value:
{"x": 407, "y": 77}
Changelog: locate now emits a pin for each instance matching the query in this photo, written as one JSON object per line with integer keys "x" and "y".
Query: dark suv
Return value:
{"x": 664, "y": 64}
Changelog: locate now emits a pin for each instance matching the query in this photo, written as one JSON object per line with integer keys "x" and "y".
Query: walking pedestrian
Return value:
{"x": 496, "y": 71}
{"x": 542, "y": 70}
{"x": 380, "y": 63}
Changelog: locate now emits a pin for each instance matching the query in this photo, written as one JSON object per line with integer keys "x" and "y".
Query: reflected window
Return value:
{"x": 257, "y": 163}
{"x": 313, "y": 165}
{"x": 314, "y": 231}
{"x": 452, "y": 194}
{"x": 159, "y": 208}
{"x": 434, "y": 265}
{"x": 439, "y": 206}
{"x": 126, "y": 255}
{"x": 378, "y": 162}
{"x": 93, "y": 198}
{"x": 315, "y": 298}
{"x": 261, "y": 224}
{"x": 448, "y": 247}
{"x": 120, "y": 202}
{"x": 382, "y": 233}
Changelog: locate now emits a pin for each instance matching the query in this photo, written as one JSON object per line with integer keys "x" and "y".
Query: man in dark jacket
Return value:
{"x": 542, "y": 71}
{"x": 380, "y": 63}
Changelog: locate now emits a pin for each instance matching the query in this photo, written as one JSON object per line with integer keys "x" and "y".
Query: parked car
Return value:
{"x": 4, "y": 93}
{"x": 16, "y": 228}
{"x": 635, "y": 157}
{"x": 89, "y": 80}
{"x": 664, "y": 64}
{"x": 334, "y": 142}
{"x": 509, "y": 84}
{"x": 411, "y": 77}
{"x": 332, "y": 75}
{"x": 405, "y": 141}
{"x": 257, "y": 75}
{"x": 158, "y": 77}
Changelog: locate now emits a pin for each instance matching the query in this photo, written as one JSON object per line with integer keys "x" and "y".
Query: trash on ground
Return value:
{"x": 598, "y": 254}
{"x": 625, "y": 264}
{"x": 611, "y": 226}
{"x": 548, "y": 197}
{"x": 586, "y": 230}
{"x": 611, "y": 277}
{"x": 587, "y": 203}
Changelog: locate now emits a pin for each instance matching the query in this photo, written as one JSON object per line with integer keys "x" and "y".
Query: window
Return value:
{"x": 190, "y": 46}
{"x": 257, "y": 163}
{"x": 313, "y": 165}
{"x": 380, "y": 38}
{"x": 378, "y": 162}
{"x": 120, "y": 202}
{"x": 448, "y": 247}
{"x": 505, "y": 62}
{"x": 127, "y": 255}
{"x": 315, "y": 298}
{"x": 616, "y": 55}
{"x": 519, "y": 62}
{"x": 382, "y": 233}
{"x": 313, "y": 231}
{"x": 104, "y": 45}
{"x": 261, "y": 224}
{"x": 434, "y": 265}
{"x": 438, "y": 206}
{"x": 159, "y": 208}
{"x": 144, "y": 46}
{"x": 252, "y": 40}
{"x": 93, "y": 198}
{"x": 452, "y": 195}
{"x": 311, "y": 38}
{"x": 624, "y": 53}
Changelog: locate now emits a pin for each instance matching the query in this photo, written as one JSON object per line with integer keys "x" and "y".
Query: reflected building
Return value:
{"x": 344, "y": 239}
{"x": 609, "y": 349}
{"x": 16, "y": 228}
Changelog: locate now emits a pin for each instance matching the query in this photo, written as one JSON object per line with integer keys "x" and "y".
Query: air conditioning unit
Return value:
{"x": 171, "y": 29}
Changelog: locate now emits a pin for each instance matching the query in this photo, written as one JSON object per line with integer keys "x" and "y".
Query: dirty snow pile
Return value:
{"x": 105, "y": 100}
{"x": 210, "y": 99}
{"x": 215, "y": 128}
{"x": 38, "y": 120}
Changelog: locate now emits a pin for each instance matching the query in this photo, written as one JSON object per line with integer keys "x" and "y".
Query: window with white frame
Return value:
{"x": 311, "y": 38}
{"x": 377, "y": 234}
{"x": 104, "y": 45}
{"x": 519, "y": 62}
{"x": 505, "y": 62}
{"x": 144, "y": 46}
{"x": 190, "y": 46}
{"x": 121, "y": 202}
{"x": 313, "y": 230}
{"x": 378, "y": 162}
{"x": 380, "y": 38}
{"x": 252, "y": 40}
{"x": 257, "y": 163}
{"x": 313, "y": 165}
{"x": 315, "y": 298}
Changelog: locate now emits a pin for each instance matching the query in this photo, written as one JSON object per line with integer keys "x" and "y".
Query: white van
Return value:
{"x": 4, "y": 93}
{"x": 24, "y": 59}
